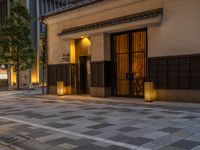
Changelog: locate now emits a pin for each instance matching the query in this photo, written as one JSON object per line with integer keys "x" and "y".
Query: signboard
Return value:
{"x": 3, "y": 72}
{"x": 3, "y": 78}
{"x": 66, "y": 58}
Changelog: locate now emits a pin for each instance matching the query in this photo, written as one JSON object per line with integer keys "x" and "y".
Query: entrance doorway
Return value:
{"x": 130, "y": 60}
{"x": 84, "y": 75}
{"x": 82, "y": 55}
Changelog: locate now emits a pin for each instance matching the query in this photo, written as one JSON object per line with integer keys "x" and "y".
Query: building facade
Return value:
{"x": 110, "y": 48}
{"x": 37, "y": 8}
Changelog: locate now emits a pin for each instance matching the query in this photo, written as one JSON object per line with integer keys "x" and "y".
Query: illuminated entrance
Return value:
{"x": 82, "y": 59}
{"x": 129, "y": 56}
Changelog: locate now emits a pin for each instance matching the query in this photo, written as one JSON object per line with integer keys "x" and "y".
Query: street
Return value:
{"x": 33, "y": 122}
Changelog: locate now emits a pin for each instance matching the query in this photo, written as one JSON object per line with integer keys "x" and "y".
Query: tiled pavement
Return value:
{"x": 43, "y": 123}
{"x": 3, "y": 147}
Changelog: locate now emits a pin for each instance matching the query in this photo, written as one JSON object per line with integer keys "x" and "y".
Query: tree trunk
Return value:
{"x": 18, "y": 71}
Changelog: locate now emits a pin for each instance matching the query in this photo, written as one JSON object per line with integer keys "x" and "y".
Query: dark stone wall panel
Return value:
{"x": 59, "y": 72}
{"x": 100, "y": 74}
{"x": 175, "y": 72}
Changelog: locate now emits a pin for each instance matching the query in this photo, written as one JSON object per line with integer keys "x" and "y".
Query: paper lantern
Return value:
{"x": 149, "y": 92}
{"x": 60, "y": 88}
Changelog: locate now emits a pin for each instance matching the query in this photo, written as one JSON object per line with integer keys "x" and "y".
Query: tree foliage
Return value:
{"x": 15, "y": 41}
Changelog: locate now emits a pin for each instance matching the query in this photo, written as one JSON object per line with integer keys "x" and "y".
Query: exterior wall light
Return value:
{"x": 86, "y": 42}
{"x": 149, "y": 92}
{"x": 60, "y": 88}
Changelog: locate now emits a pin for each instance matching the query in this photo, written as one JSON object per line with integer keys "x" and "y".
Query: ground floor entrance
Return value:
{"x": 129, "y": 54}
{"x": 90, "y": 68}
{"x": 83, "y": 75}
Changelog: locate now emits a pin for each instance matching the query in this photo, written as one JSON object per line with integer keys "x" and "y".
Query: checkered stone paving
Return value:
{"x": 49, "y": 123}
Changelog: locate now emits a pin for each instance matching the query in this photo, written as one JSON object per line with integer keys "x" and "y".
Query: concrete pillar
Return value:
{"x": 100, "y": 65}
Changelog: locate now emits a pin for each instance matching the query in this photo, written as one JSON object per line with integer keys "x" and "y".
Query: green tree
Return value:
{"x": 15, "y": 41}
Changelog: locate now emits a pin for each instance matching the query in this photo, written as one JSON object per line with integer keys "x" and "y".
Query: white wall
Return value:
{"x": 179, "y": 33}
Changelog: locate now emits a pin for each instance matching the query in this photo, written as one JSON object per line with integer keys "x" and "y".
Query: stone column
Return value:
{"x": 100, "y": 65}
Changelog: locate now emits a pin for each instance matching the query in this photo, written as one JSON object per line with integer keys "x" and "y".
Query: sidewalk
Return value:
{"x": 86, "y": 123}
{"x": 119, "y": 100}
{"x": 4, "y": 146}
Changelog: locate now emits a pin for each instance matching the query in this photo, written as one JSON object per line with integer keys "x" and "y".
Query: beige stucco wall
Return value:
{"x": 105, "y": 10}
{"x": 179, "y": 32}
{"x": 178, "y": 95}
{"x": 100, "y": 48}
{"x": 100, "y": 92}
{"x": 56, "y": 46}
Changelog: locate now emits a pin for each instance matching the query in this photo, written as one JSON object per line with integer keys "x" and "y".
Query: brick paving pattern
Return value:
{"x": 43, "y": 123}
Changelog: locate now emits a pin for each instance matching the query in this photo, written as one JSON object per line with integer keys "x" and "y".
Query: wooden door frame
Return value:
{"x": 114, "y": 65}
{"x": 83, "y": 90}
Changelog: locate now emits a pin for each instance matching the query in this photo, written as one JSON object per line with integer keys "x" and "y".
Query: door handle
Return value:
{"x": 129, "y": 76}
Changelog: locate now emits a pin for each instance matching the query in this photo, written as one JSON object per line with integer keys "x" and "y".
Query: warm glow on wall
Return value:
{"x": 72, "y": 51}
{"x": 79, "y": 47}
{"x": 13, "y": 77}
{"x": 34, "y": 74}
{"x": 67, "y": 90}
{"x": 86, "y": 42}
{"x": 34, "y": 79}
